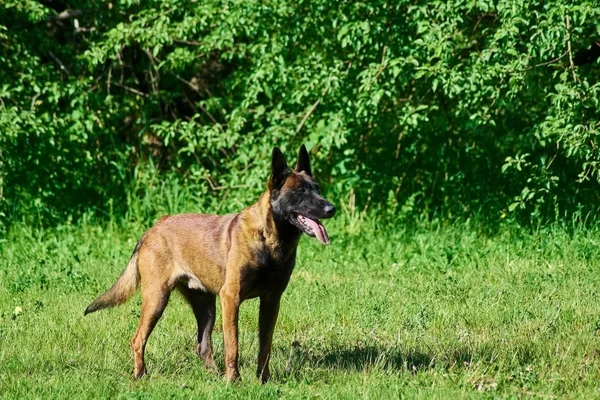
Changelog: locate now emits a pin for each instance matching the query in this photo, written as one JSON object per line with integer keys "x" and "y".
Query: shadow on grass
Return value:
{"x": 372, "y": 358}
{"x": 363, "y": 358}
{"x": 354, "y": 358}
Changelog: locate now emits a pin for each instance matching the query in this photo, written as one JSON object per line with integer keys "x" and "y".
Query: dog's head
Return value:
{"x": 295, "y": 196}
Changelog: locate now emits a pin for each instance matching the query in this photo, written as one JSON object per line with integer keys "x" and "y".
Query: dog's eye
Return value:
{"x": 302, "y": 189}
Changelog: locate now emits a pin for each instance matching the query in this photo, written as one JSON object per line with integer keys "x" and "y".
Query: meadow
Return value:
{"x": 386, "y": 311}
{"x": 459, "y": 140}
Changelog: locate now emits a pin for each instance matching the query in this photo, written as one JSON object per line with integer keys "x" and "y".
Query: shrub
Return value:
{"x": 435, "y": 107}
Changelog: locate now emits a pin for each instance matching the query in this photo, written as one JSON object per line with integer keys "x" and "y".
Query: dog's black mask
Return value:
{"x": 295, "y": 196}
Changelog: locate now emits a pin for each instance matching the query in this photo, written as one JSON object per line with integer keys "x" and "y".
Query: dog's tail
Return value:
{"x": 123, "y": 288}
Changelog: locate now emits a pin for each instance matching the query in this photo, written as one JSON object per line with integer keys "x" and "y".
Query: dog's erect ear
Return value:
{"x": 303, "y": 163}
{"x": 279, "y": 169}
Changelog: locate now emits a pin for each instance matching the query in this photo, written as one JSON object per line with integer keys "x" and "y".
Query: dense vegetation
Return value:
{"x": 426, "y": 107}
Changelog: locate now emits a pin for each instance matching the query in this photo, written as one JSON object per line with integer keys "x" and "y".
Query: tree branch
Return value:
{"x": 130, "y": 89}
{"x": 64, "y": 15}
{"x": 572, "y": 65}
{"x": 60, "y": 64}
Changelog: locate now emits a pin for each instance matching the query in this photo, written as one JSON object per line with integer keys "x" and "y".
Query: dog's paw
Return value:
{"x": 263, "y": 374}
{"x": 232, "y": 376}
{"x": 138, "y": 373}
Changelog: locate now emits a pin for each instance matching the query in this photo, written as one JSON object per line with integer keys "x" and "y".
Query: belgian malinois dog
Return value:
{"x": 236, "y": 256}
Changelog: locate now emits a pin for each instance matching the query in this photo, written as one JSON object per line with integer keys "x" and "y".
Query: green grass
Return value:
{"x": 436, "y": 312}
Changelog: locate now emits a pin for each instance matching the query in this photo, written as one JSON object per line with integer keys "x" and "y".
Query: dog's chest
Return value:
{"x": 265, "y": 280}
{"x": 269, "y": 273}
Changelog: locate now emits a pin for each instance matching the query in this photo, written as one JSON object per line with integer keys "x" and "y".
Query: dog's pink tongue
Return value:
{"x": 319, "y": 230}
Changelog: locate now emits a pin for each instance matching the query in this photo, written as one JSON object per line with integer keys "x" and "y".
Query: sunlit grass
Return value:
{"x": 432, "y": 311}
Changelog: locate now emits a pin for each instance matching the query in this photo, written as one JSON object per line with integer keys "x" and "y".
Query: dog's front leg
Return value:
{"x": 230, "y": 305}
{"x": 267, "y": 318}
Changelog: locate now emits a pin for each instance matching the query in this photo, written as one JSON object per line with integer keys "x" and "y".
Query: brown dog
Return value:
{"x": 237, "y": 256}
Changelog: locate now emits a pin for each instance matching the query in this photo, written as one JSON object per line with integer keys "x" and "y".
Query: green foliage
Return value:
{"x": 450, "y": 108}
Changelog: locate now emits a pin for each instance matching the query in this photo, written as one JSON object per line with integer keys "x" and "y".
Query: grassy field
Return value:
{"x": 436, "y": 312}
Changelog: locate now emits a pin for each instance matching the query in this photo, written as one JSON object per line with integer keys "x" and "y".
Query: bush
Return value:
{"x": 435, "y": 107}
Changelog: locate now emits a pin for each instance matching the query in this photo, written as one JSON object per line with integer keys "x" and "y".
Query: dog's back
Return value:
{"x": 186, "y": 249}
{"x": 188, "y": 246}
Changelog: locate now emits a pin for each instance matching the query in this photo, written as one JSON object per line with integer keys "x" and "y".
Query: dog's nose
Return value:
{"x": 329, "y": 210}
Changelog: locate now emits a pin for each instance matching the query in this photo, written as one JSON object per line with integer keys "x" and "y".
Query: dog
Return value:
{"x": 236, "y": 256}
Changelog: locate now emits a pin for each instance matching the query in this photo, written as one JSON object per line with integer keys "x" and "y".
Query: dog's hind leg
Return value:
{"x": 204, "y": 306}
{"x": 154, "y": 300}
